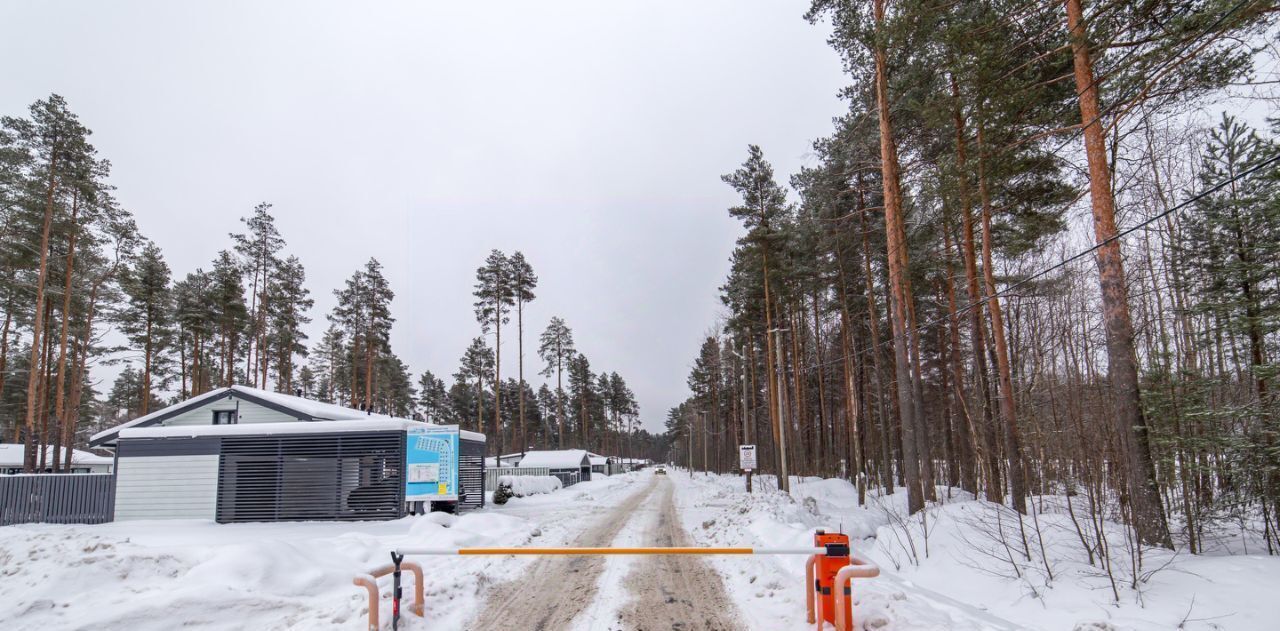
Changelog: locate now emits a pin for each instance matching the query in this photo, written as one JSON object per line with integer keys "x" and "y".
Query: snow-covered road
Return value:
{"x": 143, "y": 576}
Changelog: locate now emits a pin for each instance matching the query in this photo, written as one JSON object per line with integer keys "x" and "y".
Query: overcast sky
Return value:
{"x": 589, "y": 135}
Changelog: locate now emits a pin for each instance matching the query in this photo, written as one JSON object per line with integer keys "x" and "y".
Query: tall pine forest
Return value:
{"x": 83, "y": 293}
{"x": 1036, "y": 258}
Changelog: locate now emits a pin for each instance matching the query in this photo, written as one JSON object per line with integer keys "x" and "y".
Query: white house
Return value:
{"x": 243, "y": 454}
{"x": 11, "y": 456}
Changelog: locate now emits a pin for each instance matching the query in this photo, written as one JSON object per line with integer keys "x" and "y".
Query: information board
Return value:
{"x": 747, "y": 457}
{"x": 431, "y": 464}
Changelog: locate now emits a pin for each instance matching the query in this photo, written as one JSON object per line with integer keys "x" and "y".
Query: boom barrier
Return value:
{"x": 829, "y": 570}
{"x": 602, "y": 551}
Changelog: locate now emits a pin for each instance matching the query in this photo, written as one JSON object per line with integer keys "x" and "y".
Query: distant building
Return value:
{"x": 11, "y": 460}
{"x": 561, "y": 463}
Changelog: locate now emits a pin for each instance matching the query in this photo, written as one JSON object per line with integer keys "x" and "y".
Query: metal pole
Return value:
{"x": 396, "y": 558}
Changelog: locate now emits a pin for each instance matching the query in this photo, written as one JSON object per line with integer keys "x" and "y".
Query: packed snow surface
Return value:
{"x": 949, "y": 570}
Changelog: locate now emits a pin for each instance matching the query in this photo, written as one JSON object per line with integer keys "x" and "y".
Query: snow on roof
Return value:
{"x": 317, "y": 410}
{"x": 595, "y": 460}
{"x": 11, "y": 455}
{"x": 191, "y": 431}
{"x": 566, "y": 459}
{"x": 210, "y": 395}
{"x": 358, "y": 425}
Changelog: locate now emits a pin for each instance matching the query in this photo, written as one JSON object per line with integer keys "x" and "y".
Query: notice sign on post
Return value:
{"x": 431, "y": 460}
{"x": 747, "y": 457}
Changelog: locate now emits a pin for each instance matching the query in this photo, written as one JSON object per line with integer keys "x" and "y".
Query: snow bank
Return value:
{"x": 523, "y": 485}
{"x": 161, "y": 575}
{"x": 949, "y": 568}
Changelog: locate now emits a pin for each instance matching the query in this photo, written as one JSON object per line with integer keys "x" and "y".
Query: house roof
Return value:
{"x": 566, "y": 459}
{"x": 189, "y": 431}
{"x": 297, "y": 407}
{"x": 11, "y": 455}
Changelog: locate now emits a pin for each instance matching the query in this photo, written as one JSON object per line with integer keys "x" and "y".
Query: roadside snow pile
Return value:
{"x": 962, "y": 564}
{"x": 522, "y": 485}
{"x": 1043, "y": 572}
{"x": 510, "y": 486}
{"x": 770, "y": 590}
{"x": 138, "y": 576}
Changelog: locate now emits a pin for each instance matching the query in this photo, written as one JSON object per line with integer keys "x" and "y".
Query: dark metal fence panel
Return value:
{"x": 471, "y": 474}
{"x": 298, "y": 477}
{"x": 57, "y": 498}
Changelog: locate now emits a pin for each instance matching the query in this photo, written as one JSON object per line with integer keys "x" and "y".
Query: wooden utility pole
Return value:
{"x": 784, "y": 479}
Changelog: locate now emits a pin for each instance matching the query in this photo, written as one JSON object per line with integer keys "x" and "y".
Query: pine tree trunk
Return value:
{"x": 877, "y": 374}
{"x": 1144, "y": 492}
{"x": 82, "y": 364}
{"x": 560, "y": 394}
{"x": 4, "y": 358}
{"x": 896, "y": 248}
{"x": 1013, "y": 442}
{"x": 60, "y": 407}
{"x": 46, "y": 366}
{"x": 524, "y": 439}
{"x": 37, "y": 327}
{"x": 991, "y": 463}
{"x": 497, "y": 373}
{"x": 966, "y": 445}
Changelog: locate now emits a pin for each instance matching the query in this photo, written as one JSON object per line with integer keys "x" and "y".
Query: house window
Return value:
{"x": 224, "y": 417}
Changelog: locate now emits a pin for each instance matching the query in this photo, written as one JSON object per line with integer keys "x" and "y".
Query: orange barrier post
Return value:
{"x": 370, "y": 583}
{"x": 826, "y": 567}
{"x": 810, "y": 589}
{"x": 859, "y": 568}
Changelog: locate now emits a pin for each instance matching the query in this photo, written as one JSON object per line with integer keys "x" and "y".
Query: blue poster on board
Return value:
{"x": 431, "y": 464}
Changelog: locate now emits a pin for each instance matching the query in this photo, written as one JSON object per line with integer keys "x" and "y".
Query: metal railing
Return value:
{"x": 57, "y": 498}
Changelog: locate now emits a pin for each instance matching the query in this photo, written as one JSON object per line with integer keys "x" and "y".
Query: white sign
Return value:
{"x": 424, "y": 472}
{"x": 747, "y": 457}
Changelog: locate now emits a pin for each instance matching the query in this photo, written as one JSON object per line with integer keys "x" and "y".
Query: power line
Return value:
{"x": 1075, "y": 257}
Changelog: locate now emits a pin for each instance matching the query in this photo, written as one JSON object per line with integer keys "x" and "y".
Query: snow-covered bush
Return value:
{"x": 521, "y": 485}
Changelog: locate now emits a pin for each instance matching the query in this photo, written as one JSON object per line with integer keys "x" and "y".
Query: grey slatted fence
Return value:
{"x": 568, "y": 478}
{"x": 492, "y": 474}
{"x": 57, "y": 498}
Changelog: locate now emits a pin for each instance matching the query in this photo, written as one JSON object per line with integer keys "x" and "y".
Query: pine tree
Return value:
{"x": 433, "y": 399}
{"x": 556, "y": 350}
{"x": 477, "y": 365}
{"x": 229, "y": 313}
{"x": 523, "y": 282}
{"x": 495, "y": 295}
{"x": 58, "y": 156}
{"x": 583, "y": 393}
{"x": 287, "y": 305}
{"x": 363, "y": 313}
{"x": 257, "y": 249}
{"x": 764, "y": 208}
{"x": 147, "y": 318}
{"x": 195, "y": 327}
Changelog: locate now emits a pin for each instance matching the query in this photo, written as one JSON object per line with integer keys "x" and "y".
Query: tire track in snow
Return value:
{"x": 681, "y": 593}
{"x": 554, "y": 590}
